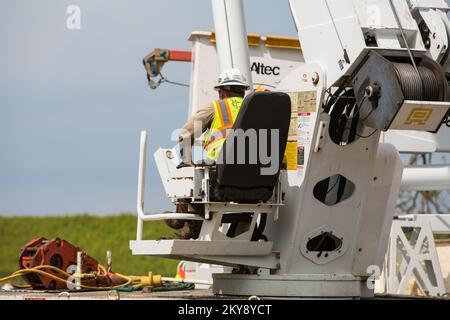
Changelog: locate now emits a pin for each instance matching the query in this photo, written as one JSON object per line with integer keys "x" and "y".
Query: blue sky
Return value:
{"x": 73, "y": 102}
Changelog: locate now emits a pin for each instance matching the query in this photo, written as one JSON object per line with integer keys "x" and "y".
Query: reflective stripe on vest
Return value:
{"x": 225, "y": 113}
{"x": 222, "y": 112}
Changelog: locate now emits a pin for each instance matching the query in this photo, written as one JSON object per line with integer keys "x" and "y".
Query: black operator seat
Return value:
{"x": 262, "y": 114}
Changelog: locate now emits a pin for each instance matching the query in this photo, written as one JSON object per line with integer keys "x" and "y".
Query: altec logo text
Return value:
{"x": 260, "y": 68}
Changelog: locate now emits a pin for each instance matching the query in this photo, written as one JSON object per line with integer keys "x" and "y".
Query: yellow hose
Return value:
{"x": 101, "y": 271}
{"x": 150, "y": 279}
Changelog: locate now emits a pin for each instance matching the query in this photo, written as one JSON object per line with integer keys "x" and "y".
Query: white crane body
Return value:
{"x": 330, "y": 216}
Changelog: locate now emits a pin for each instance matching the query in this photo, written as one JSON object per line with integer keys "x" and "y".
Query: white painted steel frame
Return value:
{"x": 413, "y": 258}
{"x": 141, "y": 215}
{"x": 231, "y": 35}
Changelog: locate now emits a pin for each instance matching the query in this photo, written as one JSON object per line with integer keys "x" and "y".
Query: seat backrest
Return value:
{"x": 264, "y": 116}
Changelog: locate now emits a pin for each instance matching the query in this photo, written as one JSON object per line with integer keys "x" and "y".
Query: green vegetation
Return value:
{"x": 95, "y": 235}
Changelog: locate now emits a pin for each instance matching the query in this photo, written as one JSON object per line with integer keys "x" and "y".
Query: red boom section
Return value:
{"x": 176, "y": 55}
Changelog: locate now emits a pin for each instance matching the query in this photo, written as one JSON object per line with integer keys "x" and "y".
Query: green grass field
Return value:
{"x": 95, "y": 235}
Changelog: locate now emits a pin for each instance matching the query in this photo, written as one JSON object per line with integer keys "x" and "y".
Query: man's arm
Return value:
{"x": 193, "y": 129}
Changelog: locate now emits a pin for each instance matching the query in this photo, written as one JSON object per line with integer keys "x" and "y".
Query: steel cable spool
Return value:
{"x": 422, "y": 86}
{"x": 430, "y": 84}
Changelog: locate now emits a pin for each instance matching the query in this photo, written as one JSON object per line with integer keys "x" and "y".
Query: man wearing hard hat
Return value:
{"x": 216, "y": 118}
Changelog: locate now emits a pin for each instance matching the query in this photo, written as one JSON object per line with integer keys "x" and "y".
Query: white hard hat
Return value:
{"x": 232, "y": 77}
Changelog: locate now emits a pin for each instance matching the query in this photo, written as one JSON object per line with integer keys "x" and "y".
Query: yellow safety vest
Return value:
{"x": 225, "y": 113}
